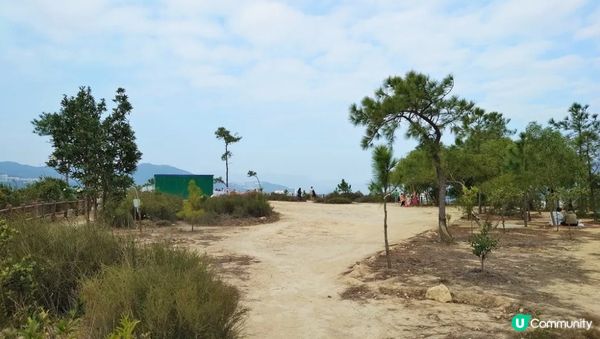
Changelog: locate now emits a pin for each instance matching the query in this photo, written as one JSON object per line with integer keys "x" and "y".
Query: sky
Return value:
{"x": 282, "y": 74}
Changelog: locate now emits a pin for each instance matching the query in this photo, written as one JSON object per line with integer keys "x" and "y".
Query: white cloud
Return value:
{"x": 296, "y": 62}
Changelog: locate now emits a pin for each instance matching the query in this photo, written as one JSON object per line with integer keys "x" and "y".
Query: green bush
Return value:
{"x": 173, "y": 294}
{"x": 483, "y": 243}
{"x": 48, "y": 189}
{"x": 238, "y": 206}
{"x": 338, "y": 200}
{"x": 43, "y": 264}
{"x": 53, "y": 274}
{"x": 9, "y": 196}
{"x": 155, "y": 206}
{"x": 160, "y": 206}
{"x": 283, "y": 197}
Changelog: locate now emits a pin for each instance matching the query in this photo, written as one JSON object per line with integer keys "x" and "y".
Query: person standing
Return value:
{"x": 313, "y": 193}
{"x": 299, "y": 194}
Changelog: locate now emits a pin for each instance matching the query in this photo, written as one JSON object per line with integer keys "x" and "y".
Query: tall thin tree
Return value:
{"x": 223, "y": 134}
{"x": 583, "y": 129}
{"x": 428, "y": 109}
{"x": 383, "y": 165}
{"x": 251, "y": 174}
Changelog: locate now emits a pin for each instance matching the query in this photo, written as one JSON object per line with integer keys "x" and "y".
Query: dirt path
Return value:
{"x": 292, "y": 287}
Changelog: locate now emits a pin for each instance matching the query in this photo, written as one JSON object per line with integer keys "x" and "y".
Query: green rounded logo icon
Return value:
{"x": 520, "y": 322}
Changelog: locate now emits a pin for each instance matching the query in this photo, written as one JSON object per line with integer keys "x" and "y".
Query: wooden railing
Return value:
{"x": 51, "y": 210}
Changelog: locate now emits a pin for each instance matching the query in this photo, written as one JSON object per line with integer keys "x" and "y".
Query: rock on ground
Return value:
{"x": 439, "y": 293}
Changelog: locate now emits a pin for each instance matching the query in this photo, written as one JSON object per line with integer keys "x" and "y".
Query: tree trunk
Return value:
{"x": 482, "y": 264}
{"x": 592, "y": 190}
{"x": 503, "y": 225}
{"x": 387, "y": 246}
{"x": 87, "y": 208}
{"x": 524, "y": 211}
{"x": 479, "y": 201}
{"x": 95, "y": 204}
{"x": 441, "y": 178}
{"x": 226, "y": 168}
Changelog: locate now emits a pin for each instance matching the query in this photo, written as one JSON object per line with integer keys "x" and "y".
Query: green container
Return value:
{"x": 177, "y": 184}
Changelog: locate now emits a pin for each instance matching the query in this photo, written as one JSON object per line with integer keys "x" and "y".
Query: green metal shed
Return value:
{"x": 177, "y": 184}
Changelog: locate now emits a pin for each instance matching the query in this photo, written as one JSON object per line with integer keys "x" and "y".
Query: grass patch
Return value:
{"x": 56, "y": 274}
{"x": 172, "y": 292}
{"x": 236, "y": 206}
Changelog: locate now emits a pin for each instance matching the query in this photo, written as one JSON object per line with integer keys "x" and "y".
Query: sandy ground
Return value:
{"x": 290, "y": 272}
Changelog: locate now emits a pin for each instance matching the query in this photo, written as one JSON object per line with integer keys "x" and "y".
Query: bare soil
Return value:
{"x": 318, "y": 272}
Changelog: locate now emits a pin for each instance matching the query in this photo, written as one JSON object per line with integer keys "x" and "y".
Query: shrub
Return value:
{"x": 173, "y": 294}
{"x": 9, "y": 196}
{"x": 238, "y": 206}
{"x": 155, "y": 206}
{"x": 48, "y": 189}
{"x": 338, "y": 200}
{"x": 192, "y": 211}
{"x": 160, "y": 206}
{"x": 283, "y": 197}
{"x": 45, "y": 263}
{"x": 48, "y": 270}
{"x": 483, "y": 243}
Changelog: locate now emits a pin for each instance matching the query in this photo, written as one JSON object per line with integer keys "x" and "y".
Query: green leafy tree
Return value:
{"x": 503, "y": 192}
{"x": 251, "y": 174}
{"x": 81, "y": 153}
{"x": 192, "y": 211}
{"x": 343, "y": 187}
{"x": 468, "y": 200}
{"x": 60, "y": 128}
{"x": 480, "y": 150}
{"x": 483, "y": 243}
{"x": 223, "y": 134}
{"x": 121, "y": 154}
{"x": 583, "y": 129}
{"x": 415, "y": 172}
{"x": 541, "y": 162}
{"x": 47, "y": 189}
{"x": 383, "y": 164}
{"x": 427, "y": 108}
{"x": 101, "y": 154}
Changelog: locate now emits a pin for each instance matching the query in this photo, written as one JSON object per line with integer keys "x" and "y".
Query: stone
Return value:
{"x": 439, "y": 293}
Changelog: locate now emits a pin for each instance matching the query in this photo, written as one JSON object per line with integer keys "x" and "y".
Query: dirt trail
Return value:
{"x": 293, "y": 289}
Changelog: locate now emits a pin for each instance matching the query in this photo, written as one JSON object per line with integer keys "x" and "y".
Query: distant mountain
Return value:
{"x": 19, "y": 175}
{"x": 14, "y": 169}
{"x": 146, "y": 171}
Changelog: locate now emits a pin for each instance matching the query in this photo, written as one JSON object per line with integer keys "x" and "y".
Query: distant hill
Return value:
{"x": 144, "y": 172}
{"x": 14, "y": 169}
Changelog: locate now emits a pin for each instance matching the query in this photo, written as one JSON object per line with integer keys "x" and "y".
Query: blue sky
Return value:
{"x": 282, "y": 74}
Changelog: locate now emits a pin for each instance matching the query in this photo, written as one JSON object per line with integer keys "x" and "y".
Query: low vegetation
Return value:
{"x": 45, "y": 189}
{"x": 172, "y": 293}
{"x": 483, "y": 243}
{"x": 249, "y": 205}
{"x": 82, "y": 281}
{"x": 156, "y": 206}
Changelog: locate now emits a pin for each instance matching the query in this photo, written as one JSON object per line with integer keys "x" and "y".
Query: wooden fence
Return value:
{"x": 51, "y": 210}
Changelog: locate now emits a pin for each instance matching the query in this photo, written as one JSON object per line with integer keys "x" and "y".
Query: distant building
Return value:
{"x": 177, "y": 184}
